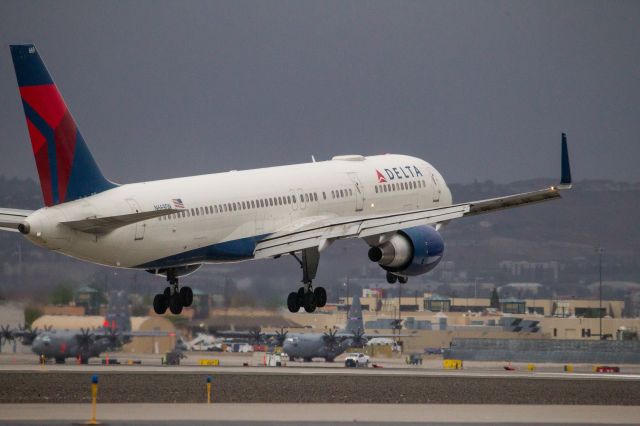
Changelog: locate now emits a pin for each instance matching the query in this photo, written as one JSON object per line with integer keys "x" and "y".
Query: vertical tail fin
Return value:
{"x": 118, "y": 316}
{"x": 66, "y": 168}
{"x": 354, "y": 317}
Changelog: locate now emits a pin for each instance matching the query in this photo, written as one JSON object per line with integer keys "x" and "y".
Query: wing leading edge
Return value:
{"x": 323, "y": 230}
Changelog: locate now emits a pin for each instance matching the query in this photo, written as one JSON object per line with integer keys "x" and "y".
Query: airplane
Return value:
{"x": 85, "y": 343}
{"x": 329, "y": 345}
{"x": 397, "y": 204}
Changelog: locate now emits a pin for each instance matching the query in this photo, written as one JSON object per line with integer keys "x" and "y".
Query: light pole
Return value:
{"x": 600, "y": 251}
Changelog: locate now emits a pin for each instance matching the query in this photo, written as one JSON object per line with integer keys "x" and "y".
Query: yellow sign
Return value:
{"x": 210, "y": 362}
{"x": 452, "y": 364}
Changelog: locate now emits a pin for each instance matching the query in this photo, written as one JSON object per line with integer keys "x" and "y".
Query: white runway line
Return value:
{"x": 319, "y": 371}
{"x": 397, "y": 413}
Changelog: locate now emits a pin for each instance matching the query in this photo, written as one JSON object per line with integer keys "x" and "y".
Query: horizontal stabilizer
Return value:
{"x": 10, "y": 219}
{"x": 106, "y": 224}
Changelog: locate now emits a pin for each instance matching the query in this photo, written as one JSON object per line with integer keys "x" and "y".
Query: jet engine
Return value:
{"x": 409, "y": 252}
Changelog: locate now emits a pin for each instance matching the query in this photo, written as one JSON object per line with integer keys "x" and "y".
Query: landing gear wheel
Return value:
{"x": 293, "y": 302}
{"x": 321, "y": 296}
{"x": 391, "y": 279}
{"x": 309, "y": 302}
{"x": 186, "y": 296}
{"x": 403, "y": 280}
{"x": 160, "y": 304}
{"x": 167, "y": 293}
{"x": 175, "y": 304}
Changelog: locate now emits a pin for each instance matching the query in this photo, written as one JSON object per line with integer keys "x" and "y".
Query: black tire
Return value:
{"x": 292, "y": 302}
{"x": 160, "y": 304}
{"x": 301, "y": 296}
{"x": 309, "y": 302}
{"x": 167, "y": 292}
{"x": 321, "y": 296}
{"x": 350, "y": 363}
{"x": 403, "y": 280}
{"x": 391, "y": 279}
{"x": 60, "y": 360}
{"x": 84, "y": 359}
{"x": 186, "y": 296}
{"x": 175, "y": 305}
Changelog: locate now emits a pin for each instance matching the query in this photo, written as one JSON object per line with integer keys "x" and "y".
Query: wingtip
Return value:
{"x": 565, "y": 178}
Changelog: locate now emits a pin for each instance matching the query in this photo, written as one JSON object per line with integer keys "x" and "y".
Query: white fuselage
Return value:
{"x": 225, "y": 213}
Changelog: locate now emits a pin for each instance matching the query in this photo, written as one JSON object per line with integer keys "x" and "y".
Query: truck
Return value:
{"x": 356, "y": 359}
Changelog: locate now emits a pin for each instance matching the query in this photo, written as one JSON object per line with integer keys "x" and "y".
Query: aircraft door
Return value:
{"x": 358, "y": 189}
{"x": 294, "y": 200}
{"x": 435, "y": 188}
{"x": 303, "y": 203}
{"x": 139, "y": 227}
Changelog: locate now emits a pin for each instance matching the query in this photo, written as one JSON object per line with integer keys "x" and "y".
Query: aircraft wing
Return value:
{"x": 106, "y": 224}
{"x": 317, "y": 233}
{"x": 11, "y": 218}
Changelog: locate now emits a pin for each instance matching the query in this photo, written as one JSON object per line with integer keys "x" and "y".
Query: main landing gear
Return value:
{"x": 393, "y": 278}
{"x": 174, "y": 298}
{"x": 307, "y": 297}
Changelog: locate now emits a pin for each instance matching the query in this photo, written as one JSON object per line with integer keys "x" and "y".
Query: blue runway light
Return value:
{"x": 94, "y": 379}
{"x": 208, "y": 379}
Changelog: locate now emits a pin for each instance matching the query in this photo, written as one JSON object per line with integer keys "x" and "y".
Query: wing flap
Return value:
{"x": 105, "y": 224}
{"x": 11, "y": 218}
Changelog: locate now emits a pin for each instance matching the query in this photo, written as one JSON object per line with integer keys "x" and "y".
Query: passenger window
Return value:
{"x": 324, "y": 196}
{"x": 306, "y": 197}
{"x": 271, "y": 201}
{"x": 315, "y": 196}
{"x": 333, "y": 195}
{"x": 253, "y": 204}
{"x": 280, "y": 201}
{"x": 341, "y": 193}
{"x": 202, "y": 211}
{"x": 215, "y": 208}
{"x": 244, "y": 206}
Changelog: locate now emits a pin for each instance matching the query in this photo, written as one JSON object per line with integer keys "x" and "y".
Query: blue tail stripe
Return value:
{"x": 85, "y": 179}
{"x": 49, "y": 136}
{"x": 30, "y": 69}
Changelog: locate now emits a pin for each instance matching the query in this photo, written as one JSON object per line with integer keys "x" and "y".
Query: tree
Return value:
{"x": 31, "y": 313}
{"x": 62, "y": 294}
{"x": 495, "y": 299}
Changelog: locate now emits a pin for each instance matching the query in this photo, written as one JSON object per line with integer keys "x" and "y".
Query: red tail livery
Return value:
{"x": 66, "y": 168}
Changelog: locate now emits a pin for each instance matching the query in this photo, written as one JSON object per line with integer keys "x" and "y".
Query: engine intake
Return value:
{"x": 411, "y": 251}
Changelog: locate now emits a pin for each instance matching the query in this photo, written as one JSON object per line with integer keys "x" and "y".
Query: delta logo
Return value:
{"x": 404, "y": 172}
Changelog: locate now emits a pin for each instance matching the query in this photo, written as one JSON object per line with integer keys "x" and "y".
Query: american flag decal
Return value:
{"x": 177, "y": 203}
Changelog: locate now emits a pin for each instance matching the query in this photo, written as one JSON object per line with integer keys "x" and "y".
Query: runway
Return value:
{"x": 289, "y": 414}
{"x": 312, "y": 370}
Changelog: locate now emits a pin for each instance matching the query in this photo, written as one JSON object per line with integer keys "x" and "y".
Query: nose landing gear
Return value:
{"x": 173, "y": 297}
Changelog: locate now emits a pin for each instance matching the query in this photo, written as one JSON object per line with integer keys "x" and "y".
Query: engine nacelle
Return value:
{"x": 410, "y": 252}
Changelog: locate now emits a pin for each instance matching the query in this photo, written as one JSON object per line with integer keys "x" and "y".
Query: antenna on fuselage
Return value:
{"x": 313, "y": 159}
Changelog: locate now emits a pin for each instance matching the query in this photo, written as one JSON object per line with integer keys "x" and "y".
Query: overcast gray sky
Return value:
{"x": 481, "y": 89}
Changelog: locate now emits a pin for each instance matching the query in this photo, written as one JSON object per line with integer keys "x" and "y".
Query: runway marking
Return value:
{"x": 396, "y": 413}
{"x": 319, "y": 371}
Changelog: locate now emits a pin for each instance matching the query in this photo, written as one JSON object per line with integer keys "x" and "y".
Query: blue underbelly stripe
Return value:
{"x": 228, "y": 251}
